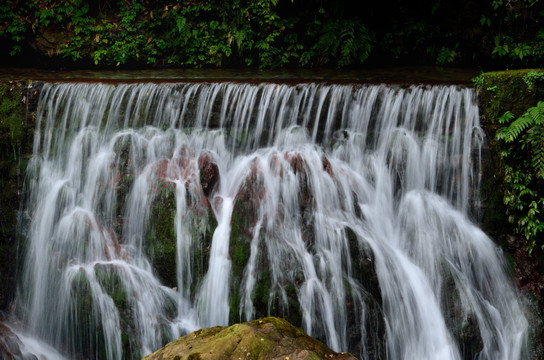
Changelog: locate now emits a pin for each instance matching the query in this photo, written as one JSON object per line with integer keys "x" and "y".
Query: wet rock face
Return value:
{"x": 529, "y": 274}
{"x": 268, "y": 338}
{"x": 18, "y": 102}
{"x": 161, "y": 239}
{"x": 243, "y": 221}
{"x": 9, "y": 344}
{"x": 327, "y": 166}
{"x": 209, "y": 172}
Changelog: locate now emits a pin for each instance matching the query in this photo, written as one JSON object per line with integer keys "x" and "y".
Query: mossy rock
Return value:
{"x": 268, "y": 298}
{"x": 11, "y": 117}
{"x": 268, "y": 338}
{"x": 244, "y": 217}
{"x": 512, "y": 90}
{"x": 161, "y": 239}
{"x": 83, "y": 330}
{"x": 364, "y": 270}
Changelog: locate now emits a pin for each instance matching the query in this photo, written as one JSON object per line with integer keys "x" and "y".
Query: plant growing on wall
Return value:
{"x": 523, "y": 153}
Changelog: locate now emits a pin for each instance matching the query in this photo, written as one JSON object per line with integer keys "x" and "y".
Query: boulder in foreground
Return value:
{"x": 270, "y": 338}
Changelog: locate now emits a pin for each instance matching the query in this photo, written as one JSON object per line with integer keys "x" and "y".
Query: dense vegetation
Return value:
{"x": 512, "y": 104}
{"x": 271, "y": 33}
{"x": 513, "y": 114}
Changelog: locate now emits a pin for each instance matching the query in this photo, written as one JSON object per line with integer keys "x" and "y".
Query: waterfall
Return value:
{"x": 152, "y": 210}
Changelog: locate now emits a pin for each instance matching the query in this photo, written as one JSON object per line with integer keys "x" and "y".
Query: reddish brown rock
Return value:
{"x": 327, "y": 166}
{"x": 209, "y": 172}
{"x": 9, "y": 344}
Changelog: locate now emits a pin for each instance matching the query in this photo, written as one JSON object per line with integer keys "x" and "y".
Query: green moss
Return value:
{"x": 533, "y": 78}
{"x": 83, "y": 329}
{"x": 240, "y": 255}
{"x": 194, "y": 356}
{"x": 161, "y": 241}
{"x": 267, "y": 338}
{"x": 112, "y": 284}
{"x": 11, "y": 116}
{"x": 243, "y": 218}
{"x": 261, "y": 292}
{"x": 161, "y": 238}
{"x": 265, "y": 299}
{"x": 202, "y": 228}
{"x": 513, "y": 90}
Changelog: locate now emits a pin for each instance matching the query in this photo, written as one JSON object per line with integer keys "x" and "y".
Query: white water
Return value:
{"x": 356, "y": 200}
{"x": 27, "y": 347}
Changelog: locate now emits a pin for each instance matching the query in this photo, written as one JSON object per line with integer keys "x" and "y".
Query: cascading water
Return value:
{"x": 156, "y": 209}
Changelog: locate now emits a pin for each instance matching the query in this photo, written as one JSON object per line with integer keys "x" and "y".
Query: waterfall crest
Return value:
{"x": 155, "y": 209}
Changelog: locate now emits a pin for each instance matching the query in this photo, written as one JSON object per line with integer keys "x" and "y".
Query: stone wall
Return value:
{"x": 18, "y": 101}
{"x": 498, "y": 92}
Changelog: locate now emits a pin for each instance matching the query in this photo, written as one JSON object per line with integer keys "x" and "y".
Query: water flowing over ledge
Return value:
{"x": 402, "y": 75}
{"x": 155, "y": 209}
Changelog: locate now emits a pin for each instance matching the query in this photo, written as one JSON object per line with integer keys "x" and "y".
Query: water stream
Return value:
{"x": 153, "y": 210}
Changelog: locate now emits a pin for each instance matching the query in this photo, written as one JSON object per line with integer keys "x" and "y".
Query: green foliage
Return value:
{"x": 494, "y": 33}
{"x": 523, "y": 154}
{"x": 533, "y": 78}
{"x": 342, "y": 41}
{"x": 508, "y": 101}
{"x": 273, "y": 33}
{"x": 446, "y": 56}
{"x": 508, "y": 47}
{"x": 411, "y": 34}
{"x": 503, "y": 91}
{"x": 478, "y": 81}
{"x": 191, "y": 34}
{"x": 516, "y": 32}
{"x": 525, "y": 209}
{"x": 531, "y": 124}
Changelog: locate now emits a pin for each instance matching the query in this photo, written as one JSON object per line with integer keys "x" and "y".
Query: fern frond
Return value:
{"x": 511, "y": 132}
{"x": 348, "y": 30}
{"x": 537, "y": 162}
{"x": 533, "y": 116}
{"x": 522, "y": 123}
{"x": 504, "y": 134}
{"x": 506, "y": 117}
{"x": 538, "y": 113}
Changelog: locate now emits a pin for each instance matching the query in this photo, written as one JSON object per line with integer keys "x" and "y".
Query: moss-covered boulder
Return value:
{"x": 268, "y": 338}
{"x": 513, "y": 90}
